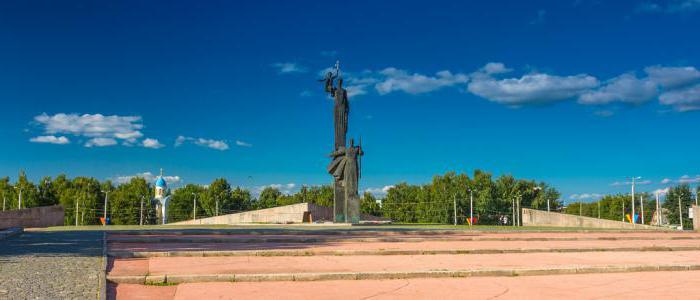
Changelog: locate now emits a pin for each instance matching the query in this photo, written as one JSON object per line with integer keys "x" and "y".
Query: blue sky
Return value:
{"x": 581, "y": 94}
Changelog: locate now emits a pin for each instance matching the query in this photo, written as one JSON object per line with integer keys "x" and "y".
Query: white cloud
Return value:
{"x": 214, "y": 144}
{"x": 604, "y": 113}
{"x": 181, "y": 140}
{"x": 495, "y": 68}
{"x": 289, "y": 67}
{"x": 148, "y": 176}
{"x": 585, "y": 196}
{"x": 682, "y": 100}
{"x": 243, "y": 144}
{"x": 287, "y": 188}
{"x": 392, "y": 79}
{"x": 50, "y": 139}
{"x": 382, "y": 191}
{"x": 400, "y": 80}
{"x": 210, "y": 143}
{"x": 666, "y": 181}
{"x": 640, "y": 182}
{"x": 102, "y": 130}
{"x": 661, "y": 191}
{"x": 534, "y": 88}
{"x": 152, "y": 143}
{"x": 673, "y": 77}
{"x": 100, "y": 142}
{"x": 689, "y": 179}
{"x": 669, "y": 7}
{"x": 625, "y": 88}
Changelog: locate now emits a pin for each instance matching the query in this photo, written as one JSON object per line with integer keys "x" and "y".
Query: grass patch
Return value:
{"x": 160, "y": 283}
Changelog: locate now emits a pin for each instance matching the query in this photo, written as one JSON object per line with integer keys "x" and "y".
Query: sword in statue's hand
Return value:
{"x": 337, "y": 68}
{"x": 359, "y": 161}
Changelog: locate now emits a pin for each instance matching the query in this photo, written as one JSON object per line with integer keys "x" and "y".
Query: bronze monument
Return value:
{"x": 345, "y": 163}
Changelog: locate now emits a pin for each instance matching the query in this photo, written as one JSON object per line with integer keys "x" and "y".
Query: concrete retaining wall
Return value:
{"x": 44, "y": 216}
{"x": 533, "y": 217}
{"x": 295, "y": 213}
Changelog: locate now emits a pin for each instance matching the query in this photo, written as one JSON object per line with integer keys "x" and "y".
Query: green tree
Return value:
{"x": 681, "y": 192}
{"x": 268, "y": 198}
{"x": 124, "y": 205}
{"x": 30, "y": 194}
{"x": 47, "y": 193}
{"x": 7, "y": 193}
{"x": 369, "y": 205}
{"x": 180, "y": 207}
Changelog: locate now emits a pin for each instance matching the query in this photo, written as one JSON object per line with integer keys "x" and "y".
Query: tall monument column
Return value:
{"x": 344, "y": 166}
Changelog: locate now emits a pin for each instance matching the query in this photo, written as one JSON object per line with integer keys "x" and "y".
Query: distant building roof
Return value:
{"x": 160, "y": 182}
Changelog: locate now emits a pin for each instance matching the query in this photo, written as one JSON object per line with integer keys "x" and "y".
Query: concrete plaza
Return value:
{"x": 402, "y": 263}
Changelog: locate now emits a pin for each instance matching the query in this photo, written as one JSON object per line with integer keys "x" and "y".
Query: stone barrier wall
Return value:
{"x": 295, "y": 213}
{"x": 44, "y": 216}
{"x": 532, "y": 217}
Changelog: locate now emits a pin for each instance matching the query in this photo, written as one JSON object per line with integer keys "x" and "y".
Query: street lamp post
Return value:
{"x": 454, "y": 198}
{"x": 641, "y": 203}
{"x": 513, "y": 211}
{"x": 471, "y": 207}
{"x": 19, "y": 200}
{"x": 105, "y": 212}
{"x": 680, "y": 211}
{"x": 518, "y": 214}
{"x": 194, "y": 212}
{"x": 141, "y": 213}
{"x": 633, "y": 199}
{"x": 658, "y": 213}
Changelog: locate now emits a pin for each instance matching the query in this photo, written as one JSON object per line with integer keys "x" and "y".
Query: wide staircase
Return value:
{"x": 385, "y": 263}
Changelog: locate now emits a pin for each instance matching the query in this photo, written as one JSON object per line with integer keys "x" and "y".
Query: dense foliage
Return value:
{"x": 435, "y": 202}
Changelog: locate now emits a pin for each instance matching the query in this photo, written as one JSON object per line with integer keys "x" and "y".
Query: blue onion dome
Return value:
{"x": 161, "y": 182}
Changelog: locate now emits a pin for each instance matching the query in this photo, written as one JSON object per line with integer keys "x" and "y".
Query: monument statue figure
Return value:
{"x": 341, "y": 110}
{"x": 351, "y": 178}
{"x": 345, "y": 160}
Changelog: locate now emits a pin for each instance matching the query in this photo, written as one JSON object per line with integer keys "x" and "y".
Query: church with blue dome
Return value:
{"x": 160, "y": 198}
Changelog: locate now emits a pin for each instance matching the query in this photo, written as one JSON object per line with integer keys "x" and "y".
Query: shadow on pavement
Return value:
{"x": 53, "y": 243}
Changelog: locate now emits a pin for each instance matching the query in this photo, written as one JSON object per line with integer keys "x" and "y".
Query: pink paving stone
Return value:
{"x": 644, "y": 285}
{"x": 425, "y": 245}
{"x": 377, "y": 263}
{"x": 128, "y": 266}
{"x": 141, "y": 292}
{"x": 464, "y": 234}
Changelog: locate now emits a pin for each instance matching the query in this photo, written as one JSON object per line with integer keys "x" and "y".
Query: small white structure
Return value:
{"x": 161, "y": 198}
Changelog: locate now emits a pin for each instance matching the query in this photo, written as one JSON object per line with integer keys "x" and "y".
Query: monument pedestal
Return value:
{"x": 338, "y": 202}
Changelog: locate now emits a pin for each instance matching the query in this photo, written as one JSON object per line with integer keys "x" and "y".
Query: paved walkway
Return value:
{"x": 219, "y": 265}
{"x": 397, "y": 263}
{"x": 652, "y": 285}
{"x": 51, "y": 265}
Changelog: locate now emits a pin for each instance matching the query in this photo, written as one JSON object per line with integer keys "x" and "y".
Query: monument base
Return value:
{"x": 338, "y": 202}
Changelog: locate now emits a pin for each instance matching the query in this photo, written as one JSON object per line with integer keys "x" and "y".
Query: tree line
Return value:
{"x": 616, "y": 207}
{"x": 438, "y": 201}
{"x": 130, "y": 202}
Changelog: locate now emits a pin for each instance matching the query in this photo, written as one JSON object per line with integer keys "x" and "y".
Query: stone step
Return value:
{"x": 279, "y": 268}
{"x": 352, "y": 247}
{"x": 384, "y": 275}
{"x": 324, "y": 239}
{"x": 638, "y": 285}
{"x": 146, "y": 254}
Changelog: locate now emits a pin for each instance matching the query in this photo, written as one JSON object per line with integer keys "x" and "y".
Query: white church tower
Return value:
{"x": 162, "y": 204}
